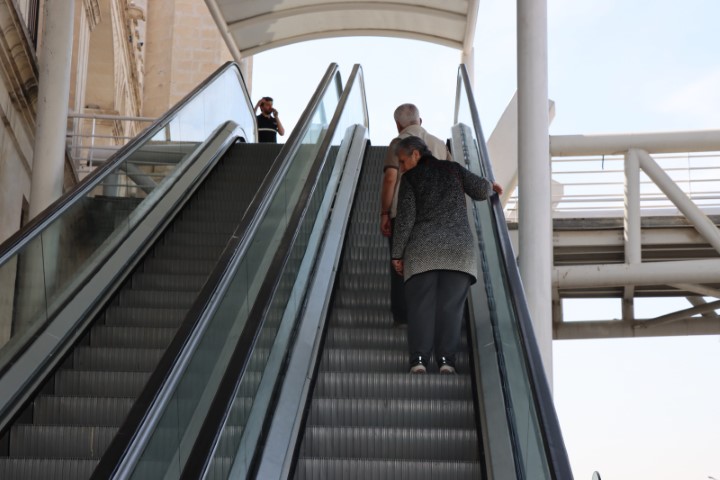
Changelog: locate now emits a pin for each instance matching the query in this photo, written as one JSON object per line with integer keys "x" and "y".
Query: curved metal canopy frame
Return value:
{"x": 253, "y": 26}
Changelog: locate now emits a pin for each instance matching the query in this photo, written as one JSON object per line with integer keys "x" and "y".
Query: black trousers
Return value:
{"x": 397, "y": 289}
{"x": 436, "y": 305}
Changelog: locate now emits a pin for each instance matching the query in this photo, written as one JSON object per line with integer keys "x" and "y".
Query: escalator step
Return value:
{"x": 196, "y": 252}
{"x": 415, "y": 413}
{"x": 97, "y": 383}
{"x": 101, "y": 411}
{"x": 361, "y": 317}
{"x": 157, "y": 281}
{"x": 143, "y": 316}
{"x": 170, "y": 266}
{"x": 45, "y": 468}
{"x": 361, "y": 469}
{"x": 155, "y": 299}
{"x": 49, "y": 441}
{"x": 391, "y": 443}
{"x": 129, "y": 337}
{"x": 392, "y": 385}
{"x": 366, "y": 360}
{"x": 362, "y": 298}
{"x": 119, "y": 359}
{"x": 370, "y": 338}
{"x": 378, "y": 282}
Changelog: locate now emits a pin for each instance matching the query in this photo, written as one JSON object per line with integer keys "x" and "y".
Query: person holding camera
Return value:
{"x": 268, "y": 122}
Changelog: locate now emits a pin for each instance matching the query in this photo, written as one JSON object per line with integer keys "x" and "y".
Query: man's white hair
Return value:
{"x": 407, "y": 114}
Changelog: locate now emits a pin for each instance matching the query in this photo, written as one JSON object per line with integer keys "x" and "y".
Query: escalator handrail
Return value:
{"x": 553, "y": 443}
{"x": 43, "y": 219}
{"x": 125, "y": 447}
{"x": 221, "y": 405}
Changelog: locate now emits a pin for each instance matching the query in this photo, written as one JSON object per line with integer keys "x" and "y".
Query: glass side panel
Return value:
{"x": 521, "y": 412}
{"x": 166, "y": 455}
{"x": 236, "y": 445}
{"x": 41, "y": 277}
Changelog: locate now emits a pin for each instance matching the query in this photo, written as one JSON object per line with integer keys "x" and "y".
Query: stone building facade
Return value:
{"x": 132, "y": 59}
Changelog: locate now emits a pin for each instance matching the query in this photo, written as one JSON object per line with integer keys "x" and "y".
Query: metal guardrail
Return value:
{"x": 93, "y": 138}
{"x": 595, "y": 185}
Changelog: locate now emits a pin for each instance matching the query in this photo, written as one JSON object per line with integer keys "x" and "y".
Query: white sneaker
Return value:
{"x": 447, "y": 369}
{"x": 419, "y": 368}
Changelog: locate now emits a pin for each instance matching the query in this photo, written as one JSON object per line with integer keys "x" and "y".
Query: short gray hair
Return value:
{"x": 407, "y": 114}
{"x": 408, "y": 144}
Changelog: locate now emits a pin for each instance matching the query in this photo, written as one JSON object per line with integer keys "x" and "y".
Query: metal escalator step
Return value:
{"x": 391, "y": 443}
{"x": 361, "y": 360}
{"x": 388, "y": 338}
{"x": 415, "y": 413}
{"x": 378, "y": 282}
{"x": 96, "y": 383}
{"x": 362, "y": 298}
{"x": 368, "y": 254}
{"x": 131, "y": 337}
{"x": 361, "y": 317}
{"x": 158, "y": 281}
{"x": 362, "y": 469}
{"x": 49, "y": 441}
{"x": 364, "y": 268}
{"x": 119, "y": 359}
{"x": 195, "y": 238}
{"x": 220, "y": 215}
{"x": 374, "y": 338}
{"x": 392, "y": 385}
{"x": 171, "y": 266}
{"x": 155, "y": 299}
{"x": 45, "y": 468}
{"x": 187, "y": 227}
{"x": 144, "y": 316}
{"x": 100, "y": 411}
{"x": 196, "y": 252}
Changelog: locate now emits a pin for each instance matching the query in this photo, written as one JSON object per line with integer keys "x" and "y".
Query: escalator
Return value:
{"x": 69, "y": 425}
{"x": 128, "y": 262}
{"x": 289, "y": 364}
{"x": 368, "y": 418}
{"x": 349, "y": 409}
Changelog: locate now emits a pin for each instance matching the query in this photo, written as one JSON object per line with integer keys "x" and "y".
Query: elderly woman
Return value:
{"x": 433, "y": 250}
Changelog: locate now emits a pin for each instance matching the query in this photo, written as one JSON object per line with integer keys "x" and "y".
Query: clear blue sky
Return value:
{"x": 634, "y": 408}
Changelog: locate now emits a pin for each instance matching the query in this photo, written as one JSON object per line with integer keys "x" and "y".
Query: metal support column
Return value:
{"x": 52, "y": 106}
{"x": 535, "y": 216}
{"x": 632, "y": 227}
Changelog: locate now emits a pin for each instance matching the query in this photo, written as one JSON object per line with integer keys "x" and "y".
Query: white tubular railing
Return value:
{"x": 93, "y": 138}
{"x": 590, "y": 171}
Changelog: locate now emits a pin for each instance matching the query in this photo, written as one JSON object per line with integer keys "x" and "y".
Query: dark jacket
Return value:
{"x": 431, "y": 228}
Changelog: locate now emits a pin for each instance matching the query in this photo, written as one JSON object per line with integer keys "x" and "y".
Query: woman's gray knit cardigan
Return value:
{"x": 431, "y": 228}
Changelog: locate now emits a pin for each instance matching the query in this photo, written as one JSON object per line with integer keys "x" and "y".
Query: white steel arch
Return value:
{"x": 253, "y": 26}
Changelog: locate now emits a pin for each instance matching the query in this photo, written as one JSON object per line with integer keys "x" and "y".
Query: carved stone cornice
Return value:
{"x": 92, "y": 8}
{"x": 18, "y": 63}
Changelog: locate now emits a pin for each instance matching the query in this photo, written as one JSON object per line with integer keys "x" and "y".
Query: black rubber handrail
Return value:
{"x": 202, "y": 451}
{"x": 551, "y": 432}
{"x": 129, "y": 430}
{"x": 35, "y": 226}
